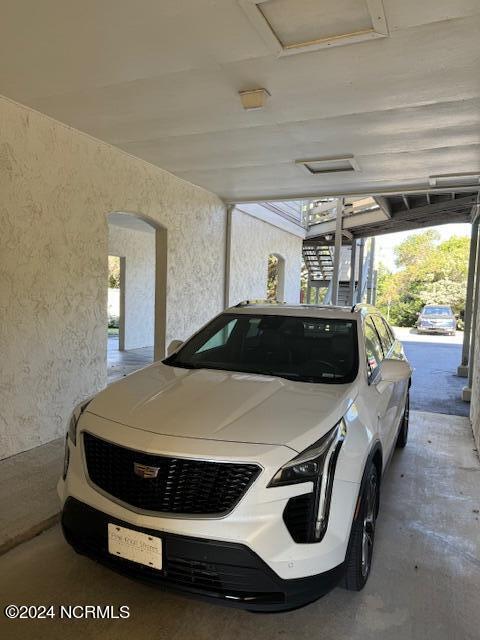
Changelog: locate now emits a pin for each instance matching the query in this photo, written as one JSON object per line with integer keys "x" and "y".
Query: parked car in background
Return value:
{"x": 247, "y": 466}
{"x": 437, "y": 318}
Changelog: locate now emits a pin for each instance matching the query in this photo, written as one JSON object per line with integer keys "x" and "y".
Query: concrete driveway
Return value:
{"x": 435, "y": 358}
{"x": 424, "y": 585}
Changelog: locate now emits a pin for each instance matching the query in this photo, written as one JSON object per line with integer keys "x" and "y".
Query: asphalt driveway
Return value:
{"x": 435, "y": 358}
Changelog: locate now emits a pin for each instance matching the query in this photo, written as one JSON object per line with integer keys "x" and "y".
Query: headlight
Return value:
{"x": 315, "y": 464}
{"x": 74, "y": 418}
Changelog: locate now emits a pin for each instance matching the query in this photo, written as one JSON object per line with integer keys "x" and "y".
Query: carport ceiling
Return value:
{"x": 160, "y": 79}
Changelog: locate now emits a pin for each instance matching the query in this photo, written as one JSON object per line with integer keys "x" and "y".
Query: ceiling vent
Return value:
{"x": 319, "y": 166}
{"x": 455, "y": 179}
{"x": 297, "y": 26}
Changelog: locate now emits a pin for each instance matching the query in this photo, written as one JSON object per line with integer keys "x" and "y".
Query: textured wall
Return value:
{"x": 57, "y": 187}
{"x": 252, "y": 242}
{"x": 475, "y": 401}
{"x": 138, "y": 249}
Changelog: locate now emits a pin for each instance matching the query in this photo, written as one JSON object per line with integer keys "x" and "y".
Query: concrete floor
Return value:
{"x": 435, "y": 358}
{"x": 425, "y": 582}
{"x": 28, "y": 497}
{"x": 121, "y": 363}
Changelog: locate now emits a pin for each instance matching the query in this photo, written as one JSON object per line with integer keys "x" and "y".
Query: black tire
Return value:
{"x": 359, "y": 556}
{"x": 403, "y": 433}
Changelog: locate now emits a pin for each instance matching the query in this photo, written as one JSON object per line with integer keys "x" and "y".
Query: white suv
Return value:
{"x": 247, "y": 466}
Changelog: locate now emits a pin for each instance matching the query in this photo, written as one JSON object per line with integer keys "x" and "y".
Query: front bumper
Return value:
{"x": 442, "y": 330}
{"x": 225, "y": 572}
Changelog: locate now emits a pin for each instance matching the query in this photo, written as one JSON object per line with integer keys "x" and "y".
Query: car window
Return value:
{"x": 220, "y": 338}
{"x": 373, "y": 347}
{"x": 437, "y": 311}
{"x": 320, "y": 350}
{"x": 384, "y": 333}
{"x": 390, "y": 331}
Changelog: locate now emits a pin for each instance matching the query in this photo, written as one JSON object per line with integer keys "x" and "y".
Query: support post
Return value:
{"x": 359, "y": 292}
{"x": 353, "y": 269}
{"x": 374, "y": 290}
{"x": 309, "y": 289}
{"x": 467, "y": 391}
{"x": 338, "y": 250}
{"x": 160, "y": 331}
{"x": 121, "y": 323}
{"x": 462, "y": 370}
{"x": 228, "y": 246}
{"x": 371, "y": 263}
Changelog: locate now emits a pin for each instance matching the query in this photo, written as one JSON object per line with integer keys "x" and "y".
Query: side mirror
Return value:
{"x": 392, "y": 371}
{"x": 174, "y": 346}
{"x": 417, "y": 314}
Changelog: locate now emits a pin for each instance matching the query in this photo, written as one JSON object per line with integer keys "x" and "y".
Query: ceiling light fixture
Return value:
{"x": 253, "y": 99}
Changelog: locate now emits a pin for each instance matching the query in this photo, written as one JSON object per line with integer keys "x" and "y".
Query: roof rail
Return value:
{"x": 362, "y": 306}
{"x": 246, "y": 303}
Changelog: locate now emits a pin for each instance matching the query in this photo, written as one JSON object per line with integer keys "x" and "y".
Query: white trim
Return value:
{"x": 256, "y": 210}
{"x": 375, "y": 8}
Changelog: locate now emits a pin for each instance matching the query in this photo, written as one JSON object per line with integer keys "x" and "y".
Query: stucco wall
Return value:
{"x": 138, "y": 249}
{"x": 56, "y": 188}
{"x": 252, "y": 242}
{"x": 475, "y": 399}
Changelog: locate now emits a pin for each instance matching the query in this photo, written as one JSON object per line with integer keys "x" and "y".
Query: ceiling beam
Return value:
{"x": 436, "y": 208}
{"x": 406, "y": 225}
{"x": 318, "y": 195}
{"x": 384, "y": 205}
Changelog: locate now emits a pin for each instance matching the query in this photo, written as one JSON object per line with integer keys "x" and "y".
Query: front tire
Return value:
{"x": 403, "y": 433}
{"x": 358, "y": 561}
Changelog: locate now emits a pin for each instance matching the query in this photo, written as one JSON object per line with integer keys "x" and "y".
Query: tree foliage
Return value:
{"x": 114, "y": 272}
{"x": 272, "y": 277}
{"x": 429, "y": 271}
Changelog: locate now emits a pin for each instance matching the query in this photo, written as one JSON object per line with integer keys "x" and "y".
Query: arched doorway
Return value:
{"x": 138, "y": 255}
{"x": 276, "y": 277}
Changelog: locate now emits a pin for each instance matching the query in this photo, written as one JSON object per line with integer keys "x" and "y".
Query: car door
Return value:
{"x": 382, "y": 402}
{"x": 392, "y": 349}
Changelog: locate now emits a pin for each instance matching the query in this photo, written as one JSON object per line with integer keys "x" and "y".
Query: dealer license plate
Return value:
{"x": 135, "y": 546}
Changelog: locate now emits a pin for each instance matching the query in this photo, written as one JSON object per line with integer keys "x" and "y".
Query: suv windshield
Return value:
{"x": 437, "y": 311}
{"x": 302, "y": 349}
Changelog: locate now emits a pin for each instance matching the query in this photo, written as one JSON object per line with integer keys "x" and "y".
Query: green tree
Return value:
{"x": 114, "y": 272}
{"x": 429, "y": 272}
{"x": 413, "y": 249}
{"x": 272, "y": 278}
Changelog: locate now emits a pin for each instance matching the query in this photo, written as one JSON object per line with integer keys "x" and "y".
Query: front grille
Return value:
{"x": 298, "y": 517}
{"x": 182, "y": 486}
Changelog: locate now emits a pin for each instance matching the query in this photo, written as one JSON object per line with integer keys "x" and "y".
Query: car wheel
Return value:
{"x": 358, "y": 561}
{"x": 403, "y": 433}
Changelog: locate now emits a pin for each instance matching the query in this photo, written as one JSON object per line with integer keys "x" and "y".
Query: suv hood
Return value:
{"x": 227, "y": 406}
